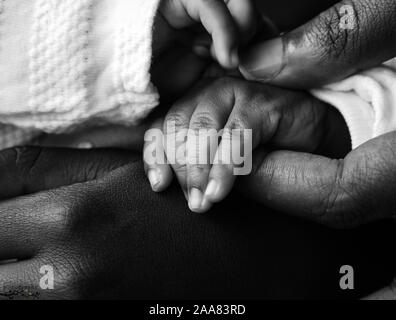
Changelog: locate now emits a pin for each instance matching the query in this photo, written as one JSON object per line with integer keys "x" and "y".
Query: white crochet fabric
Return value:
{"x": 67, "y": 63}
{"x": 59, "y": 60}
{"x": 130, "y": 76}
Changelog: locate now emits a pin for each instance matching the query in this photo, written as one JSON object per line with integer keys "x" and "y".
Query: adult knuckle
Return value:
{"x": 175, "y": 121}
{"x": 238, "y": 123}
{"x": 203, "y": 120}
{"x": 58, "y": 213}
{"x": 81, "y": 206}
{"x": 64, "y": 215}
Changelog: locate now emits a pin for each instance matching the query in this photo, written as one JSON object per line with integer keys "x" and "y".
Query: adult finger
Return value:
{"x": 264, "y": 115}
{"x": 226, "y": 100}
{"x": 339, "y": 193}
{"x": 32, "y": 222}
{"x": 245, "y": 128}
{"x": 352, "y": 35}
{"x": 207, "y": 120}
{"x": 32, "y": 169}
{"x": 157, "y": 169}
{"x": 175, "y": 128}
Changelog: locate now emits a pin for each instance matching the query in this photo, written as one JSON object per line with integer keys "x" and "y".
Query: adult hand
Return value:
{"x": 351, "y": 36}
{"x": 111, "y": 237}
{"x": 75, "y": 229}
{"x": 107, "y": 235}
{"x": 104, "y": 232}
{"x": 337, "y": 193}
{"x": 277, "y": 117}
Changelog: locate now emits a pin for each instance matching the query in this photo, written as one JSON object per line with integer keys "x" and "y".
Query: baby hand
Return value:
{"x": 277, "y": 118}
{"x": 228, "y": 22}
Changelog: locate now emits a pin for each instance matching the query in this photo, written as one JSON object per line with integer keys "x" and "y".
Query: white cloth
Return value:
{"x": 366, "y": 100}
{"x": 71, "y": 63}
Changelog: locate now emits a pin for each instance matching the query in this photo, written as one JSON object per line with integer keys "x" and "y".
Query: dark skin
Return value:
{"x": 340, "y": 193}
{"x": 93, "y": 216}
{"x": 93, "y": 219}
{"x": 278, "y": 119}
{"x": 355, "y": 190}
{"x": 107, "y": 235}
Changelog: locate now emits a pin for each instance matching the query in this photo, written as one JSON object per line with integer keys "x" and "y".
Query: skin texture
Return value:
{"x": 94, "y": 237}
{"x": 187, "y": 33}
{"x": 338, "y": 190}
{"x": 321, "y": 51}
{"x": 337, "y": 193}
{"x": 278, "y": 118}
{"x": 341, "y": 193}
{"x": 108, "y": 236}
{"x": 191, "y": 37}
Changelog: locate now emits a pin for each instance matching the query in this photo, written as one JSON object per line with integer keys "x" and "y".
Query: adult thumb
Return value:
{"x": 351, "y": 36}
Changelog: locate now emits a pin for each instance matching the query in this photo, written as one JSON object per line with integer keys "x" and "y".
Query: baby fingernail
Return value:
{"x": 206, "y": 205}
{"x": 154, "y": 177}
{"x": 195, "y": 199}
{"x": 212, "y": 189}
{"x": 264, "y": 61}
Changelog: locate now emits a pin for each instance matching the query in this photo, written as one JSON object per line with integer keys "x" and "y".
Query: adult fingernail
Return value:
{"x": 154, "y": 177}
{"x": 195, "y": 199}
{"x": 212, "y": 189}
{"x": 264, "y": 61}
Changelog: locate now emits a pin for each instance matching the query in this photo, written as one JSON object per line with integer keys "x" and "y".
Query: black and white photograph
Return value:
{"x": 197, "y": 157}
